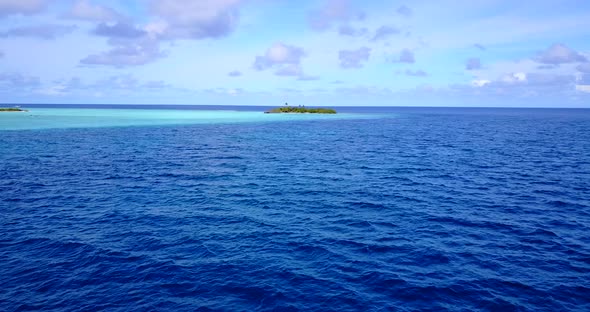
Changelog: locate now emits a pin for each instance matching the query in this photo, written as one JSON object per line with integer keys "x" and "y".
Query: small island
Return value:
{"x": 12, "y": 109}
{"x": 300, "y": 110}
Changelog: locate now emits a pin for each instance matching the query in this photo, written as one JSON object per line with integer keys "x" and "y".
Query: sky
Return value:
{"x": 316, "y": 53}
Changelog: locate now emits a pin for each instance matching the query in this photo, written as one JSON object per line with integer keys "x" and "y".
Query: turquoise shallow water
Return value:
{"x": 54, "y": 118}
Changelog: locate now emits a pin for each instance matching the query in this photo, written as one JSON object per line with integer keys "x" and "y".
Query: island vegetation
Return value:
{"x": 12, "y": 109}
{"x": 300, "y": 110}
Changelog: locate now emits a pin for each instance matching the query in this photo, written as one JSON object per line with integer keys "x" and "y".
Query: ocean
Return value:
{"x": 190, "y": 208}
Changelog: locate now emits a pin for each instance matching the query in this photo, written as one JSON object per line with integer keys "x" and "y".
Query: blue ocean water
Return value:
{"x": 408, "y": 209}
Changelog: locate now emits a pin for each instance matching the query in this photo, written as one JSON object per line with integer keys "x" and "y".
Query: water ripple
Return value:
{"x": 429, "y": 212}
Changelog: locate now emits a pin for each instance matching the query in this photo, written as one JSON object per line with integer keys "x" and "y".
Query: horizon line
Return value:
{"x": 248, "y": 105}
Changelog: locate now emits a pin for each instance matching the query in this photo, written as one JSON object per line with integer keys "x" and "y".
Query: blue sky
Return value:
{"x": 316, "y": 53}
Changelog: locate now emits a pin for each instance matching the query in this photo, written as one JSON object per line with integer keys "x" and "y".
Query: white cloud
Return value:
{"x": 289, "y": 70}
{"x": 354, "y": 58}
{"x": 285, "y": 60}
{"x": 234, "y": 92}
{"x": 156, "y": 29}
{"x": 480, "y": 82}
{"x": 18, "y": 81}
{"x": 119, "y": 83}
{"x": 26, "y": 7}
{"x": 384, "y": 32}
{"x": 56, "y": 90}
{"x": 47, "y": 31}
{"x": 279, "y": 54}
{"x": 196, "y": 19}
{"x": 85, "y": 10}
{"x": 334, "y": 11}
{"x": 406, "y": 56}
{"x": 347, "y": 30}
{"x": 456, "y": 29}
{"x": 583, "y": 68}
{"x": 473, "y": 64}
{"x": 235, "y": 73}
{"x": 127, "y": 53}
{"x": 559, "y": 54}
{"x": 405, "y": 11}
{"x": 514, "y": 77}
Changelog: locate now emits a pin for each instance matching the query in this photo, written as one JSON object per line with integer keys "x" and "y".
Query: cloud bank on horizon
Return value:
{"x": 328, "y": 52}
